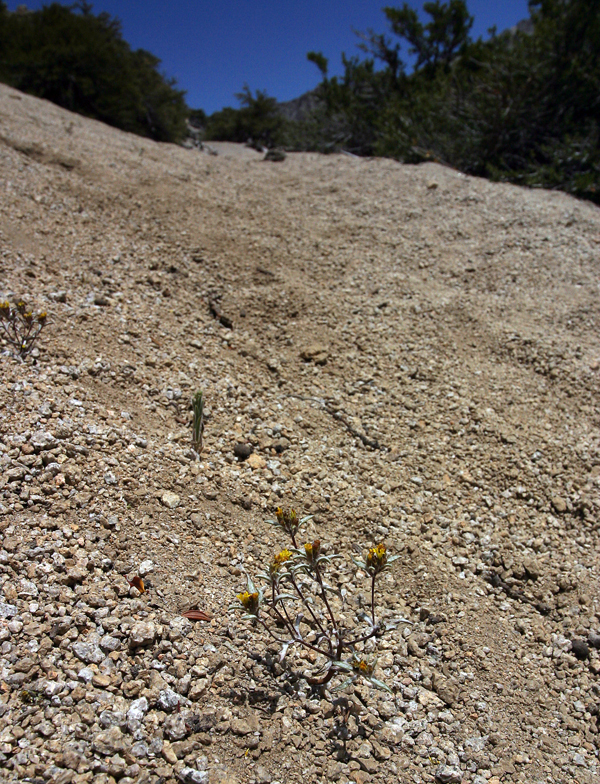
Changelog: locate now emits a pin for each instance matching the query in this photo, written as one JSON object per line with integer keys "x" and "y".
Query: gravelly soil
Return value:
{"x": 413, "y": 359}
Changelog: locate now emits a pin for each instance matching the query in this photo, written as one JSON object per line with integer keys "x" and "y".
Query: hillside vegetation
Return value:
{"x": 80, "y": 61}
{"x": 522, "y": 106}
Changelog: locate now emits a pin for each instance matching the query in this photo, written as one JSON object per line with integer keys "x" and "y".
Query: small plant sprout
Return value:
{"x": 198, "y": 421}
{"x": 21, "y": 326}
{"x": 297, "y": 606}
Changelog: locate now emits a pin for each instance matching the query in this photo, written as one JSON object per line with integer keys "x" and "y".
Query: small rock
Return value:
{"x": 242, "y": 451}
{"x": 145, "y": 568}
{"x": 413, "y": 647}
{"x": 580, "y": 649}
{"x": 109, "y": 644}
{"x": 594, "y": 640}
{"x": 175, "y": 727}
{"x": 316, "y": 353}
{"x": 41, "y": 439}
{"x": 46, "y": 728}
{"x": 7, "y": 610}
{"x": 110, "y": 742}
{"x": 101, "y": 300}
{"x": 447, "y": 774}
{"x": 76, "y": 575}
{"x": 240, "y": 727}
{"x": 198, "y": 689}
{"x": 262, "y": 775}
{"x": 193, "y": 776}
{"x": 168, "y": 700}
{"x": 559, "y": 504}
{"x": 58, "y": 296}
{"x": 137, "y": 710}
{"x": 168, "y": 753}
{"x": 142, "y": 633}
{"x": 445, "y": 689}
{"x": 101, "y": 681}
{"x": 256, "y": 461}
{"x": 87, "y": 652}
{"x": 170, "y": 500}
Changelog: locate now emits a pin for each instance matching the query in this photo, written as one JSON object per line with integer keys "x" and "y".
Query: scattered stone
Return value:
{"x": 193, "y": 776}
{"x": 430, "y": 428}
{"x": 316, "y": 353}
{"x": 446, "y": 774}
{"x": 89, "y": 653}
{"x": 275, "y": 155}
{"x": 256, "y": 462}
{"x": 168, "y": 700}
{"x": 594, "y": 640}
{"x": 145, "y": 568}
{"x": 580, "y": 649}
{"x": 142, "y": 633}
{"x": 170, "y": 500}
{"x": 242, "y": 451}
{"x": 444, "y": 688}
{"x": 111, "y": 741}
{"x": 559, "y": 504}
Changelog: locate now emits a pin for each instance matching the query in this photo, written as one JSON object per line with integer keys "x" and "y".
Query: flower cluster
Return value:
{"x": 299, "y": 606}
{"x": 279, "y": 560}
{"x": 21, "y": 326}
{"x": 377, "y": 560}
{"x": 288, "y": 521}
{"x": 250, "y": 601}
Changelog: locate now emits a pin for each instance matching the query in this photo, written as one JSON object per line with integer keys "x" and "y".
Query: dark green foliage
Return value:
{"x": 518, "y": 107}
{"x": 197, "y": 118}
{"x": 80, "y": 61}
{"x": 258, "y": 120}
{"x": 440, "y": 40}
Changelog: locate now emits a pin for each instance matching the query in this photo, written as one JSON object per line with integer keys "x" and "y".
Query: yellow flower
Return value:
{"x": 377, "y": 559}
{"x": 287, "y": 519}
{"x": 42, "y": 318}
{"x": 249, "y": 602}
{"x": 363, "y": 666}
{"x": 312, "y": 550}
{"x": 4, "y": 309}
{"x": 279, "y": 560}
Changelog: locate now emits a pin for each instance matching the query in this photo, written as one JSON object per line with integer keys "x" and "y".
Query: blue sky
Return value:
{"x": 212, "y": 48}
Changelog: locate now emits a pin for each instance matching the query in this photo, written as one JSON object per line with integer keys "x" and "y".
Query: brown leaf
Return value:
{"x": 138, "y": 583}
{"x": 196, "y": 615}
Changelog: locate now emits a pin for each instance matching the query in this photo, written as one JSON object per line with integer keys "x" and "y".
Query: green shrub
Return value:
{"x": 80, "y": 61}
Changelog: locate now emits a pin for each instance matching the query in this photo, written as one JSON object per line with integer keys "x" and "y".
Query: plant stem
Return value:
{"x": 325, "y": 600}
{"x": 362, "y": 639}
{"x": 306, "y": 603}
{"x": 373, "y": 598}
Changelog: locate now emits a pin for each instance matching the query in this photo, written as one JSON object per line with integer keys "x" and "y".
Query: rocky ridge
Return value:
{"x": 413, "y": 358}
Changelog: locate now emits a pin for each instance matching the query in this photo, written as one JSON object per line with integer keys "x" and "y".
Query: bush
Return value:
{"x": 258, "y": 120}
{"x": 80, "y": 61}
{"x": 522, "y": 106}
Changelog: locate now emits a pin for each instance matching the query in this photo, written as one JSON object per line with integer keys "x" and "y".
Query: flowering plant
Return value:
{"x": 297, "y": 606}
{"x": 21, "y": 326}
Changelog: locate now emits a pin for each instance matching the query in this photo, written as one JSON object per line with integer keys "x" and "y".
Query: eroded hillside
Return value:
{"x": 413, "y": 358}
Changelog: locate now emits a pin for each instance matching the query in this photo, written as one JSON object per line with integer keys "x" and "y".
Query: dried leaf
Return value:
{"x": 196, "y": 615}
{"x": 138, "y": 583}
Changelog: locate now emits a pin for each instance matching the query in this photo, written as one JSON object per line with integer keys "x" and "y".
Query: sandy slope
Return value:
{"x": 414, "y": 358}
